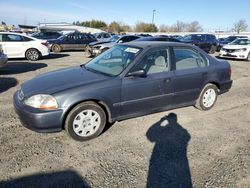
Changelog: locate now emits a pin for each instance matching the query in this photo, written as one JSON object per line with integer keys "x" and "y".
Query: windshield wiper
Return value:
{"x": 96, "y": 71}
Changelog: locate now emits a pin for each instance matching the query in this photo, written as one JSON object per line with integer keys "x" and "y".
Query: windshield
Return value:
{"x": 113, "y": 61}
{"x": 114, "y": 38}
{"x": 240, "y": 42}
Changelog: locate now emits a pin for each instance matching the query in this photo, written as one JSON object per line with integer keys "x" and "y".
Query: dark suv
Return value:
{"x": 206, "y": 42}
{"x": 71, "y": 41}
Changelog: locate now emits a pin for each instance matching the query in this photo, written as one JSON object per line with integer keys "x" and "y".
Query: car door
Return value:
{"x": 82, "y": 41}
{"x": 68, "y": 42}
{"x": 191, "y": 70}
{"x": 151, "y": 92}
{"x": 13, "y": 45}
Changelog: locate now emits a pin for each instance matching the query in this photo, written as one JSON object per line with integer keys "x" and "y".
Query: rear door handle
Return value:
{"x": 167, "y": 80}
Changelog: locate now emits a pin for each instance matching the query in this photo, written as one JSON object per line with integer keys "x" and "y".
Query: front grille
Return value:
{"x": 230, "y": 50}
{"x": 20, "y": 95}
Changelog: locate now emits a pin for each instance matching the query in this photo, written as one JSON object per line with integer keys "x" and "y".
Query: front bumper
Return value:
{"x": 3, "y": 60}
{"x": 235, "y": 55}
{"x": 93, "y": 51}
{"x": 38, "y": 120}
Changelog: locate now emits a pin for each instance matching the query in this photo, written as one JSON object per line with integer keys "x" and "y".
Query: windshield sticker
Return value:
{"x": 132, "y": 50}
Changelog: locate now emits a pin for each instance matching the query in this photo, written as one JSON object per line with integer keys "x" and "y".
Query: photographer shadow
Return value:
{"x": 169, "y": 163}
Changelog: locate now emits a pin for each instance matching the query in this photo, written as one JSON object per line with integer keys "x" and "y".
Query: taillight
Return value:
{"x": 45, "y": 44}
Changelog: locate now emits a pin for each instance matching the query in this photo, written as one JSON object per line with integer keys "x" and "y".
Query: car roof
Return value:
{"x": 152, "y": 44}
{"x": 24, "y": 35}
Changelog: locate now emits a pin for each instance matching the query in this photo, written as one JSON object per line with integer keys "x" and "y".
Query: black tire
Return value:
{"x": 89, "y": 54}
{"x": 212, "y": 49}
{"x": 32, "y": 54}
{"x": 56, "y": 48}
{"x": 83, "y": 113}
{"x": 202, "y": 102}
{"x": 248, "y": 57}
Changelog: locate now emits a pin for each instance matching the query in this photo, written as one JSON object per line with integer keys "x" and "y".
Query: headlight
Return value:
{"x": 241, "y": 50}
{"x": 45, "y": 102}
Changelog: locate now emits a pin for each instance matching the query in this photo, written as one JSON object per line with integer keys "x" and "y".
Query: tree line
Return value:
{"x": 179, "y": 26}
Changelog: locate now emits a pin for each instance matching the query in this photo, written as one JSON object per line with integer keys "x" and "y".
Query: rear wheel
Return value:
{"x": 86, "y": 121}
{"x": 207, "y": 97}
{"x": 56, "y": 48}
{"x": 248, "y": 57}
{"x": 32, "y": 54}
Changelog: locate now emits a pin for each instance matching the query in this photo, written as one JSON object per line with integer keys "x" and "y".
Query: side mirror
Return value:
{"x": 138, "y": 73}
{"x": 120, "y": 41}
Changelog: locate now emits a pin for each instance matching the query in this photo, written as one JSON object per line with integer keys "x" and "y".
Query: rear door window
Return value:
{"x": 12, "y": 38}
{"x": 186, "y": 58}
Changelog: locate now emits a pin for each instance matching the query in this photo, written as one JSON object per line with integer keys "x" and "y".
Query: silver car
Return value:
{"x": 3, "y": 57}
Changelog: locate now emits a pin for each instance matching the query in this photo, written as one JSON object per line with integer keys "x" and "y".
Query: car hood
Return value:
{"x": 236, "y": 46}
{"x": 107, "y": 45}
{"x": 98, "y": 42}
{"x": 60, "y": 80}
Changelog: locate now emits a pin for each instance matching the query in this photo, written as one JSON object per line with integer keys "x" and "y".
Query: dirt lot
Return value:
{"x": 200, "y": 149}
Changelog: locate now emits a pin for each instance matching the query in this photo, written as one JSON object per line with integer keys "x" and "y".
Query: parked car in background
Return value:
{"x": 47, "y": 35}
{"x": 224, "y": 41}
{"x": 166, "y": 39}
{"x": 17, "y": 45}
{"x": 71, "y": 41}
{"x": 102, "y": 36}
{"x": 96, "y": 49}
{"x": 126, "y": 81}
{"x": 206, "y": 42}
{"x": 3, "y": 57}
{"x": 238, "y": 49}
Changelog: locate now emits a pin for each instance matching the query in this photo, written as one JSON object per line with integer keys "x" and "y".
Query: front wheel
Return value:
{"x": 207, "y": 97}
{"x": 32, "y": 54}
{"x": 86, "y": 121}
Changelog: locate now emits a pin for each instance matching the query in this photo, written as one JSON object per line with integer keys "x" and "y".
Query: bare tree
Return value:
{"x": 240, "y": 26}
{"x": 115, "y": 27}
{"x": 178, "y": 27}
{"x": 193, "y": 27}
{"x": 164, "y": 28}
{"x": 145, "y": 27}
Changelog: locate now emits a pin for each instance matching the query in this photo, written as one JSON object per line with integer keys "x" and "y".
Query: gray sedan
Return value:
{"x": 126, "y": 81}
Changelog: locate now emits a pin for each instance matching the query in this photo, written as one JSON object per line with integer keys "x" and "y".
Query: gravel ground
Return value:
{"x": 195, "y": 148}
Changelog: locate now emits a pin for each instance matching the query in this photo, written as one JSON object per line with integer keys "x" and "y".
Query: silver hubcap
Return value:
{"x": 209, "y": 98}
{"x": 33, "y": 55}
{"x": 86, "y": 123}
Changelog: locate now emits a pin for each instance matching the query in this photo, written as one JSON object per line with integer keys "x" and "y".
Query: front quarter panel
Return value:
{"x": 106, "y": 93}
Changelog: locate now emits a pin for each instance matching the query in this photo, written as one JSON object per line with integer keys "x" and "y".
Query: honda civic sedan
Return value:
{"x": 126, "y": 81}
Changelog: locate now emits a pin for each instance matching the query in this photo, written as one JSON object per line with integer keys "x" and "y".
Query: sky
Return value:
{"x": 211, "y": 14}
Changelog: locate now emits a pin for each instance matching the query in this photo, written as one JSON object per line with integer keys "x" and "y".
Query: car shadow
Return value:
{"x": 55, "y": 56}
{"x": 67, "y": 178}
{"x": 20, "y": 67}
{"x": 7, "y": 83}
{"x": 169, "y": 163}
